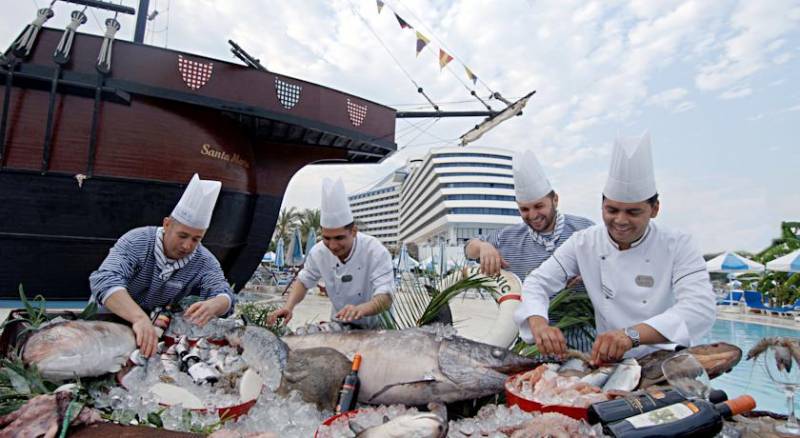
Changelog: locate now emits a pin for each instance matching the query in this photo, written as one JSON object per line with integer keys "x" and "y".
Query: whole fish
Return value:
{"x": 415, "y": 366}
{"x": 600, "y": 376}
{"x": 65, "y": 350}
{"x": 716, "y": 358}
{"x": 625, "y": 377}
{"x": 422, "y": 425}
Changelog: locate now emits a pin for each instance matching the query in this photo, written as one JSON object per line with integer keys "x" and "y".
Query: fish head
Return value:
{"x": 717, "y": 358}
{"x": 462, "y": 360}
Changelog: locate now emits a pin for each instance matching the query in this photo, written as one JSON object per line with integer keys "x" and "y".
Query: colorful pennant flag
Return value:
{"x": 403, "y": 24}
{"x": 422, "y": 41}
{"x": 471, "y": 75}
{"x": 444, "y": 59}
{"x": 380, "y": 5}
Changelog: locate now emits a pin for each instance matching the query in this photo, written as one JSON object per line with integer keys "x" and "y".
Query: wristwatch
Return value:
{"x": 633, "y": 335}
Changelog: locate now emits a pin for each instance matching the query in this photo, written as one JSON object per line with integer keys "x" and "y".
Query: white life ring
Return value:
{"x": 509, "y": 296}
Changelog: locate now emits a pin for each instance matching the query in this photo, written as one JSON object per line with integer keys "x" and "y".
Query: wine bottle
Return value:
{"x": 349, "y": 392}
{"x": 160, "y": 317}
{"x": 695, "y": 418}
{"x": 200, "y": 371}
{"x": 640, "y": 402}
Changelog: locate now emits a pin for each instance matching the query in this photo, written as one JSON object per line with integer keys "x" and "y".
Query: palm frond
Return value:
{"x": 422, "y": 296}
{"x": 571, "y": 310}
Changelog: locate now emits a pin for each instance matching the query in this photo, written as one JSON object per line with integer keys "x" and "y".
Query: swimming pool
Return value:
{"x": 747, "y": 377}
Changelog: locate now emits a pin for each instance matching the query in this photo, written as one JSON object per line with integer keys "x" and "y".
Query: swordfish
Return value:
{"x": 415, "y": 366}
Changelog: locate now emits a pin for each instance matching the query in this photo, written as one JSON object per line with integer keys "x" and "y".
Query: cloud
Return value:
{"x": 757, "y": 25}
{"x": 736, "y": 93}
{"x": 671, "y": 100}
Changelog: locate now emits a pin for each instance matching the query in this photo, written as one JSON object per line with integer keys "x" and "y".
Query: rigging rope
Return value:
{"x": 385, "y": 47}
{"x": 450, "y": 52}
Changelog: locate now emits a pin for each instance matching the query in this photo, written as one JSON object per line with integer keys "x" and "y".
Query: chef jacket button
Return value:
{"x": 644, "y": 301}
{"x": 602, "y": 257}
{"x": 647, "y": 260}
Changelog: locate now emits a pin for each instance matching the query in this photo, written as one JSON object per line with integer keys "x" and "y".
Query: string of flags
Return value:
{"x": 423, "y": 41}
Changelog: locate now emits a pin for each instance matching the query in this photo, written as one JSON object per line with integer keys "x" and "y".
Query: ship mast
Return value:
{"x": 141, "y": 21}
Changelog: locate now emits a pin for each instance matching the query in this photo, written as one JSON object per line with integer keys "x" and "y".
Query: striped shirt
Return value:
{"x": 131, "y": 264}
{"x": 523, "y": 254}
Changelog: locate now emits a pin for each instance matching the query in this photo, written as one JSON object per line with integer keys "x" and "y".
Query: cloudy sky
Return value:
{"x": 711, "y": 80}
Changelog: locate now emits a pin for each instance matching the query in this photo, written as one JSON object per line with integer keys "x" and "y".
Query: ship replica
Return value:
{"x": 99, "y": 136}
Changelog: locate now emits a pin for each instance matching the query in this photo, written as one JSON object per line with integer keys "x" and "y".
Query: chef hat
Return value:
{"x": 631, "y": 177}
{"x": 530, "y": 182}
{"x": 335, "y": 207}
{"x": 197, "y": 203}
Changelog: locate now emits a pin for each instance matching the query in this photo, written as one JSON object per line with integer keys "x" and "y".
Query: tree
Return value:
{"x": 781, "y": 286}
{"x": 287, "y": 221}
{"x": 309, "y": 220}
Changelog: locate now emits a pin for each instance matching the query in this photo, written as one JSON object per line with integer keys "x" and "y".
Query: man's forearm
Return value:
{"x": 378, "y": 304}
{"x": 122, "y": 305}
{"x": 297, "y": 292}
{"x": 649, "y": 335}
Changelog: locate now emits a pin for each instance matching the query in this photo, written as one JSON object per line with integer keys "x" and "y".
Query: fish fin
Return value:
{"x": 388, "y": 387}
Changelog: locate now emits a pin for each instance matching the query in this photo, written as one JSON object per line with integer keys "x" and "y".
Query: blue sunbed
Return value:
{"x": 754, "y": 300}
{"x": 734, "y": 298}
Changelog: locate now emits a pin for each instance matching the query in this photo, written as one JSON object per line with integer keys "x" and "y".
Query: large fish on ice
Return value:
{"x": 415, "y": 366}
{"x": 70, "y": 349}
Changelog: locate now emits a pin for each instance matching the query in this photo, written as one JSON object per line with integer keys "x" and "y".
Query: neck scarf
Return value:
{"x": 549, "y": 240}
{"x": 166, "y": 265}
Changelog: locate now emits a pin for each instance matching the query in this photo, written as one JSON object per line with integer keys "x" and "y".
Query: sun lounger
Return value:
{"x": 754, "y": 301}
{"x": 734, "y": 298}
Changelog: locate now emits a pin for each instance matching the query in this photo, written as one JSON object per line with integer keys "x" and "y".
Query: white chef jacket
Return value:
{"x": 661, "y": 281}
{"x": 367, "y": 271}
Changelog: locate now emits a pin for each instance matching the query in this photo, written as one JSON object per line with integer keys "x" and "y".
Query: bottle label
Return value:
{"x": 667, "y": 414}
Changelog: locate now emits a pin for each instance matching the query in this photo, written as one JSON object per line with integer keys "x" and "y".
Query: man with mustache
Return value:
{"x": 150, "y": 267}
{"x": 522, "y": 248}
{"x": 648, "y": 284}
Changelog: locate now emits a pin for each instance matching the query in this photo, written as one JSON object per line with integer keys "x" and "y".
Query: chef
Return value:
{"x": 648, "y": 284}
{"x": 152, "y": 266}
{"x": 355, "y": 267}
{"x": 525, "y": 246}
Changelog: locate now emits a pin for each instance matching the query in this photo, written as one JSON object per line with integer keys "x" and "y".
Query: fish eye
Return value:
{"x": 498, "y": 353}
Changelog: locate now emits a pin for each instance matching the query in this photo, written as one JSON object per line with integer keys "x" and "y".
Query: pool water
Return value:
{"x": 747, "y": 377}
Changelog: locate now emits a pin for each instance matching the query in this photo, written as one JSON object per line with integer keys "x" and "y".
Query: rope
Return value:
{"x": 385, "y": 47}
{"x": 441, "y": 43}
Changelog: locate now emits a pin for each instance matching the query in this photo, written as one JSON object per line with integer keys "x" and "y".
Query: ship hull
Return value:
{"x": 85, "y": 158}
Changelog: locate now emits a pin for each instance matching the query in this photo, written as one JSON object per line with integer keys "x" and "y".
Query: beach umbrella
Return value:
{"x": 312, "y": 240}
{"x": 731, "y": 262}
{"x": 295, "y": 253}
{"x": 269, "y": 257}
{"x": 788, "y": 263}
{"x": 279, "y": 254}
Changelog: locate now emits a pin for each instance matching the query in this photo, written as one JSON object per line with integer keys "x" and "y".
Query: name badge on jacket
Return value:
{"x": 645, "y": 281}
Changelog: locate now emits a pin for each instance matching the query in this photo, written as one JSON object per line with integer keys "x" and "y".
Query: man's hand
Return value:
{"x": 550, "y": 340}
{"x": 610, "y": 347}
{"x": 351, "y": 313}
{"x": 283, "y": 312}
{"x": 146, "y": 338}
{"x": 203, "y": 311}
{"x": 491, "y": 261}
{"x": 574, "y": 282}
